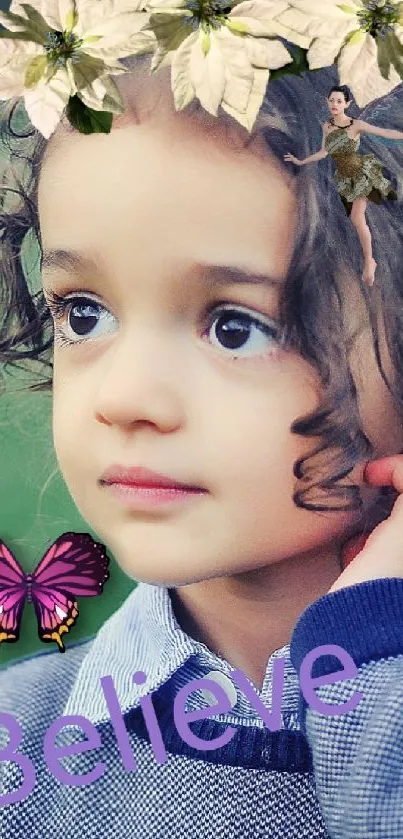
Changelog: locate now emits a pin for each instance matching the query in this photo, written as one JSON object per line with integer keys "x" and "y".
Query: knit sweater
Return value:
{"x": 314, "y": 776}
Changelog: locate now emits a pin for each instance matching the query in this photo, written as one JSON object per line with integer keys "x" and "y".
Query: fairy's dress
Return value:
{"x": 357, "y": 175}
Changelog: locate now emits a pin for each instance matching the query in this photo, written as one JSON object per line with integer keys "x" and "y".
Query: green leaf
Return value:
{"x": 383, "y": 59}
{"x": 20, "y": 36}
{"x": 157, "y": 59}
{"x": 17, "y": 20}
{"x": 114, "y": 104}
{"x": 113, "y": 100}
{"x": 86, "y": 120}
{"x": 170, "y": 30}
{"x": 51, "y": 71}
{"x": 35, "y": 70}
{"x": 86, "y": 69}
{"x": 38, "y": 23}
{"x": 394, "y": 50}
{"x": 298, "y": 65}
{"x": 31, "y": 28}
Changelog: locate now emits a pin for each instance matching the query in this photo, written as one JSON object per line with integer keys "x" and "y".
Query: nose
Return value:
{"x": 142, "y": 380}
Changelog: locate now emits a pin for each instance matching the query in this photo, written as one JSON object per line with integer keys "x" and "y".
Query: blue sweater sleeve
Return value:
{"x": 357, "y": 756}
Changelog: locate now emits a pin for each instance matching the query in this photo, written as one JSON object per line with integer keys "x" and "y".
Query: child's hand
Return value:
{"x": 381, "y": 553}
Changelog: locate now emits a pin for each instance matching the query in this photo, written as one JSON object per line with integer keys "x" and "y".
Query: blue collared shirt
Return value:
{"x": 260, "y": 784}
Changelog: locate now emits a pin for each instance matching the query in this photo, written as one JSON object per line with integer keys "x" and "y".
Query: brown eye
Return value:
{"x": 77, "y": 318}
{"x": 235, "y": 329}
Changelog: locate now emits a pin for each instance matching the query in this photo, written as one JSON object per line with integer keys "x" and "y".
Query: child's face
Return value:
{"x": 150, "y": 210}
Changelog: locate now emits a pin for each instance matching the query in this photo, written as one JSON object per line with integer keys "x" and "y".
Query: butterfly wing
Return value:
{"x": 13, "y": 594}
{"x": 55, "y": 613}
{"x": 74, "y": 566}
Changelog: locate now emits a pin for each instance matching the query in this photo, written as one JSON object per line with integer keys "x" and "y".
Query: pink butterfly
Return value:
{"x": 74, "y": 566}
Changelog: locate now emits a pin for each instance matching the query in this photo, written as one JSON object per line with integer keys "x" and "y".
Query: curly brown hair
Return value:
{"x": 311, "y": 306}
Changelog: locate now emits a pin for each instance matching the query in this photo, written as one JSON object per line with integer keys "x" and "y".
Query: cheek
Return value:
{"x": 252, "y": 432}
{"x": 68, "y": 432}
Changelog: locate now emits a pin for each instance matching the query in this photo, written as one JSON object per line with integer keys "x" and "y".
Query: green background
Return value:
{"x": 36, "y": 508}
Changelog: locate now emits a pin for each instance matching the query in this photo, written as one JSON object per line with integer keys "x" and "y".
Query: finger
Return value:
{"x": 385, "y": 471}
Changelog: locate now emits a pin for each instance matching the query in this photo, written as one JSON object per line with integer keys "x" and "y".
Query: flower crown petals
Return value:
{"x": 238, "y": 92}
{"x": 182, "y": 86}
{"x": 58, "y": 15}
{"x": 238, "y": 88}
{"x": 42, "y": 15}
{"x": 207, "y": 71}
{"x": 239, "y": 70}
{"x": 372, "y": 85}
{"x": 103, "y": 15}
{"x": 45, "y": 104}
{"x": 60, "y": 63}
{"x": 244, "y": 94}
{"x": 218, "y": 55}
{"x": 32, "y": 26}
{"x": 101, "y": 95}
{"x": 262, "y": 19}
{"x": 86, "y": 70}
{"x": 169, "y": 29}
{"x": 248, "y": 116}
{"x": 366, "y": 41}
{"x": 114, "y": 34}
{"x": 160, "y": 59}
{"x": 13, "y": 62}
{"x": 268, "y": 55}
{"x": 171, "y": 7}
{"x": 60, "y": 55}
{"x": 37, "y": 23}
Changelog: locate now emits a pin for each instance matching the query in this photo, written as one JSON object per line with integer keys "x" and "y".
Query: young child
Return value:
{"x": 159, "y": 242}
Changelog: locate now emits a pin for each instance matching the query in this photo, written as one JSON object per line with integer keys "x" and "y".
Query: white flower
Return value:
{"x": 57, "y": 49}
{"x": 364, "y": 37}
{"x": 219, "y": 54}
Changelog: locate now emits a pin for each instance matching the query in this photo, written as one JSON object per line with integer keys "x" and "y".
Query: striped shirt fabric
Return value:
{"x": 105, "y": 776}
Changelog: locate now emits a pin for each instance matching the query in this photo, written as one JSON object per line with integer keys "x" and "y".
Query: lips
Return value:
{"x": 142, "y": 477}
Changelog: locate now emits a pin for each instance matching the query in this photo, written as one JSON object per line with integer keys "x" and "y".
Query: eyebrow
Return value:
{"x": 69, "y": 261}
{"x": 74, "y": 262}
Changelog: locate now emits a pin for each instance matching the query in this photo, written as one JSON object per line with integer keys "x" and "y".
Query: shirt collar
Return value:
{"x": 144, "y": 634}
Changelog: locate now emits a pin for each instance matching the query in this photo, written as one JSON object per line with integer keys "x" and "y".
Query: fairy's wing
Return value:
{"x": 74, "y": 566}
{"x": 13, "y": 594}
{"x": 385, "y": 111}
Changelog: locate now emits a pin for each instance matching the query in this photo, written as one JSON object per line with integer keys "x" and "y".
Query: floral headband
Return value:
{"x": 60, "y": 55}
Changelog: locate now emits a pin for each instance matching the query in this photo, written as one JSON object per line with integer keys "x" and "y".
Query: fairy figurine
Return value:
{"x": 359, "y": 177}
